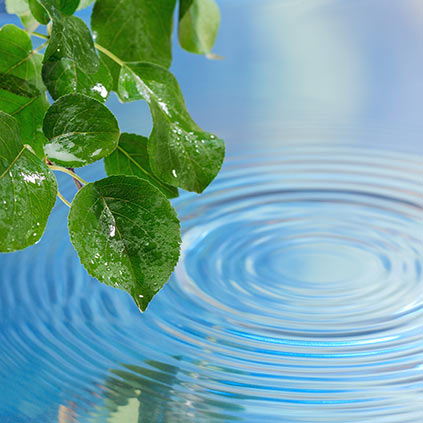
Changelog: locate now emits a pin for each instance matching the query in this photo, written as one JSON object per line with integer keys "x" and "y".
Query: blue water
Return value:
{"x": 298, "y": 298}
{"x": 299, "y": 293}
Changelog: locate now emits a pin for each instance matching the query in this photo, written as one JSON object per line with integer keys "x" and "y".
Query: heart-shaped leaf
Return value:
{"x": 80, "y": 130}
{"x": 144, "y": 28}
{"x": 22, "y": 93}
{"x": 70, "y": 38}
{"x": 126, "y": 234}
{"x": 131, "y": 158}
{"x": 198, "y": 25}
{"x": 181, "y": 154}
{"x": 27, "y": 190}
{"x": 65, "y": 77}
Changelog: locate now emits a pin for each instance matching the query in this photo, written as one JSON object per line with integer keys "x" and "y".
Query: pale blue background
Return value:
{"x": 321, "y": 71}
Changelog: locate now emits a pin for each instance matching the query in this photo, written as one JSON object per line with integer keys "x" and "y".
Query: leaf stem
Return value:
{"x": 77, "y": 183}
{"x": 40, "y": 47}
{"x": 69, "y": 172}
{"x": 109, "y": 54}
{"x": 97, "y": 46}
{"x": 37, "y": 34}
{"x": 63, "y": 199}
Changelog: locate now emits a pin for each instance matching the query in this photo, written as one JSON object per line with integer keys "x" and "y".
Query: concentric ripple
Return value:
{"x": 298, "y": 298}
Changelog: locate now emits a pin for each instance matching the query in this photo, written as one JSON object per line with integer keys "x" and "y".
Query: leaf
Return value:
{"x": 80, "y": 131}
{"x": 16, "y": 53}
{"x": 131, "y": 158}
{"x": 18, "y": 86}
{"x": 134, "y": 30}
{"x": 67, "y": 7}
{"x": 22, "y": 93}
{"x": 29, "y": 111}
{"x": 65, "y": 77}
{"x": 27, "y": 190}
{"x": 181, "y": 154}
{"x": 38, "y": 11}
{"x": 70, "y": 38}
{"x": 126, "y": 234}
{"x": 198, "y": 25}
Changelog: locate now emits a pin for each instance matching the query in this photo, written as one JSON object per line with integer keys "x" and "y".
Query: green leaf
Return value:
{"x": 181, "y": 154}
{"x": 27, "y": 190}
{"x": 126, "y": 234}
{"x": 80, "y": 131}
{"x": 18, "y": 86}
{"x": 16, "y": 56}
{"x": 198, "y": 25}
{"x": 29, "y": 111}
{"x": 70, "y": 38}
{"x": 134, "y": 30}
{"x": 22, "y": 93}
{"x": 131, "y": 158}
{"x": 65, "y": 77}
{"x": 67, "y": 7}
{"x": 38, "y": 11}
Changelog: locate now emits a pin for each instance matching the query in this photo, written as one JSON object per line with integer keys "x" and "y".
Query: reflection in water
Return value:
{"x": 148, "y": 394}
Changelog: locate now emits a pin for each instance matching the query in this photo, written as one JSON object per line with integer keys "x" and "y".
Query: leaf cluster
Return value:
{"x": 123, "y": 227}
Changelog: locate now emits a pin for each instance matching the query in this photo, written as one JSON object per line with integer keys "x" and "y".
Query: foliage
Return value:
{"x": 123, "y": 227}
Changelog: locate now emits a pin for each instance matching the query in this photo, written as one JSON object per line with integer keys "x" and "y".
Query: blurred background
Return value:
{"x": 318, "y": 71}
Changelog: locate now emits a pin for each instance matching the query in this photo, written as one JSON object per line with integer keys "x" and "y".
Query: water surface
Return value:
{"x": 298, "y": 298}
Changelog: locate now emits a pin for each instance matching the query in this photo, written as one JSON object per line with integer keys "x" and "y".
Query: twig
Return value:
{"x": 63, "y": 199}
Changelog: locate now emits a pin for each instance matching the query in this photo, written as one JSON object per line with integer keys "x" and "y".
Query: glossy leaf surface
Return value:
{"x": 126, "y": 234}
{"x": 198, "y": 25}
{"x": 70, "y": 38}
{"x": 80, "y": 130}
{"x": 67, "y": 7}
{"x": 65, "y": 77}
{"x": 131, "y": 158}
{"x": 27, "y": 190}
{"x": 16, "y": 55}
{"x": 39, "y": 12}
{"x": 22, "y": 93}
{"x": 144, "y": 29}
{"x": 181, "y": 154}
